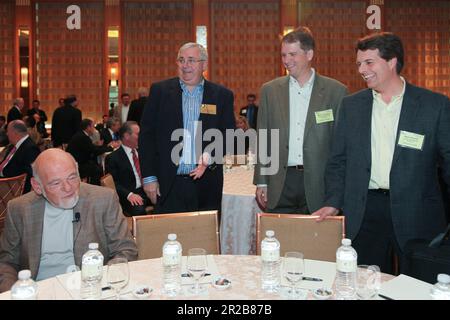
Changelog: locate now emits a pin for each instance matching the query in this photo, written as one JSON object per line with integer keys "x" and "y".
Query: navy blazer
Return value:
{"x": 21, "y": 162}
{"x": 416, "y": 201}
{"x": 163, "y": 115}
{"x": 118, "y": 165}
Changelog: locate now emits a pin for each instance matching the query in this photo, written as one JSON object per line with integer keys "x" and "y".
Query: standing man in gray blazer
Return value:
{"x": 302, "y": 106}
{"x": 382, "y": 171}
{"x": 48, "y": 231}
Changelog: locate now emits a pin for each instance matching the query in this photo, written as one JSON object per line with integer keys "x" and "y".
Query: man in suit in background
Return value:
{"x": 111, "y": 132}
{"x": 250, "y": 111}
{"x": 3, "y": 137}
{"x": 137, "y": 106}
{"x": 123, "y": 165}
{"x": 121, "y": 111}
{"x": 382, "y": 171}
{"x": 66, "y": 121}
{"x": 48, "y": 231}
{"x": 302, "y": 107}
{"x": 193, "y": 182}
{"x": 85, "y": 152}
{"x": 15, "y": 113}
{"x": 21, "y": 153}
{"x": 39, "y": 116}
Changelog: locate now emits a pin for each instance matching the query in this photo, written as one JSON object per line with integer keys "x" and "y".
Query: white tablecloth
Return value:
{"x": 244, "y": 272}
{"x": 239, "y": 209}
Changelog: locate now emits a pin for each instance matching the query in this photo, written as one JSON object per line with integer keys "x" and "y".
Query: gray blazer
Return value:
{"x": 101, "y": 220}
{"x": 273, "y": 113}
{"x": 416, "y": 201}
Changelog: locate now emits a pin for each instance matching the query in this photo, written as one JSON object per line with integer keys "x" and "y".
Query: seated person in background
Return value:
{"x": 3, "y": 137}
{"x": 30, "y": 122}
{"x": 110, "y": 133}
{"x": 20, "y": 153}
{"x": 123, "y": 165}
{"x": 48, "y": 230}
{"x": 85, "y": 152}
{"x": 102, "y": 125}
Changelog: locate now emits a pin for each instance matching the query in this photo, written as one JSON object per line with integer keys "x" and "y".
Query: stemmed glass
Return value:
{"x": 118, "y": 274}
{"x": 368, "y": 281}
{"x": 196, "y": 266}
{"x": 228, "y": 162}
{"x": 293, "y": 269}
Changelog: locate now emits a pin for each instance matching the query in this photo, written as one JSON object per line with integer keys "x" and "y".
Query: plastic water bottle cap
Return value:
{"x": 172, "y": 236}
{"x": 270, "y": 233}
{"x": 93, "y": 246}
{"x": 443, "y": 278}
{"x": 346, "y": 242}
{"x": 24, "y": 274}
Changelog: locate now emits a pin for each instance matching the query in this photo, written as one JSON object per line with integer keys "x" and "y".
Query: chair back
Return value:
{"x": 193, "y": 230}
{"x": 10, "y": 188}
{"x": 297, "y": 232}
{"x": 108, "y": 181}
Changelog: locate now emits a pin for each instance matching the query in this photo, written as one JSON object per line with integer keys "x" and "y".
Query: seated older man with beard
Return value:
{"x": 48, "y": 230}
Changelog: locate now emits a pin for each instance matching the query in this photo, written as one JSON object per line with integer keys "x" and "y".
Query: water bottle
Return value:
{"x": 441, "y": 290}
{"x": 346, "y": 265}
{"x": 24, "y": 288}
{"x": 171, "y": 252}
{"x": 270, "y": 257}
{"x": 91, "y": 273}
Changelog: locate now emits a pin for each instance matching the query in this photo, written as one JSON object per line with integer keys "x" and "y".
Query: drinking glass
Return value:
{"x": 228, "y": 162}
{"x": 196, "y": 266}
{"x": 118, "y": 274}
{"x": 293, "y": 269}
{"x": 368, "y": 279}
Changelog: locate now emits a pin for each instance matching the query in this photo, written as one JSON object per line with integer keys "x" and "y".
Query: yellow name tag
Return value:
{"x": 324, "y": 116}
{"x": 208, "y": 109}
{"x": 411, "y": 140}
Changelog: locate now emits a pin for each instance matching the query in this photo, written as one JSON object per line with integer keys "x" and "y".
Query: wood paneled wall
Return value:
{"x": 70, "y": 61}
{"x": 243, "y": 43}
{"x": 7, "y": 86}
{"x": 424, "y": 27}
{"x": 153, "y": 33}
{"x": 245, "y": 50}
{"x": 336, "y": 25}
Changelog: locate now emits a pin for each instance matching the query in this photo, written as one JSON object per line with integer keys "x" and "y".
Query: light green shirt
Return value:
{"x": 385, "y": 119}
{"x": 299, "y": 97}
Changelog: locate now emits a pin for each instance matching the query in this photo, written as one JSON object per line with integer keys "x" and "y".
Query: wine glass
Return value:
{"x": 368, "y": 280}
{"x": 228, "y": 162}
{"x": 293, "y": 269}
{"x": 196, "y": 266}
{"x": 118, "y": 274}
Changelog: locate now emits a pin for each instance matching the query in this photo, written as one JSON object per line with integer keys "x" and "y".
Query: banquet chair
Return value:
{"x": 10, "y": 188}
{"x": 297, "y": 232}
{"x": 193, "y": 229}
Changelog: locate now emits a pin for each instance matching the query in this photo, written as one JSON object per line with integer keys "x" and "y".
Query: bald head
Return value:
{"x": 16, "y": 130}
{"x": 56, "y": 177}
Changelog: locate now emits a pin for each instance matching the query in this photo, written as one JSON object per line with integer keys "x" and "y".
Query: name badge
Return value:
{"x": 411, "y": 140}
{"x": 208, "y": 109}
{"x": 324, "y": 116}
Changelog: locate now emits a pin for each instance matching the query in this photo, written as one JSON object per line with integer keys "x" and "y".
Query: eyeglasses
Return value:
{"x": 189, "y": 61}
{"x": 57, "y": 184}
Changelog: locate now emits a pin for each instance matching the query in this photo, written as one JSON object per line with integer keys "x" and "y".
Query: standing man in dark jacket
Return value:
{"x": 137, "y": 106}
{"x": 66, "y": 121}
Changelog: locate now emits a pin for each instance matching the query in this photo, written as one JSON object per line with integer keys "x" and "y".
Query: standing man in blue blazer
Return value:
{"x": 382, "y": 170}
{"x": 190, "y": 102}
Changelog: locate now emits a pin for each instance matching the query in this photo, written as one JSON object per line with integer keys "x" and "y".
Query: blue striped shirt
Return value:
{"x": 191, "y": 102}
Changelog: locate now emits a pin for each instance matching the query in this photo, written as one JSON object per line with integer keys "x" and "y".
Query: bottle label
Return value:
{"x": 171, "y": 258}
{"x": 270, "y": 255}
{"x": 346, "y": 265}
{"x": 89, "y": 270}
